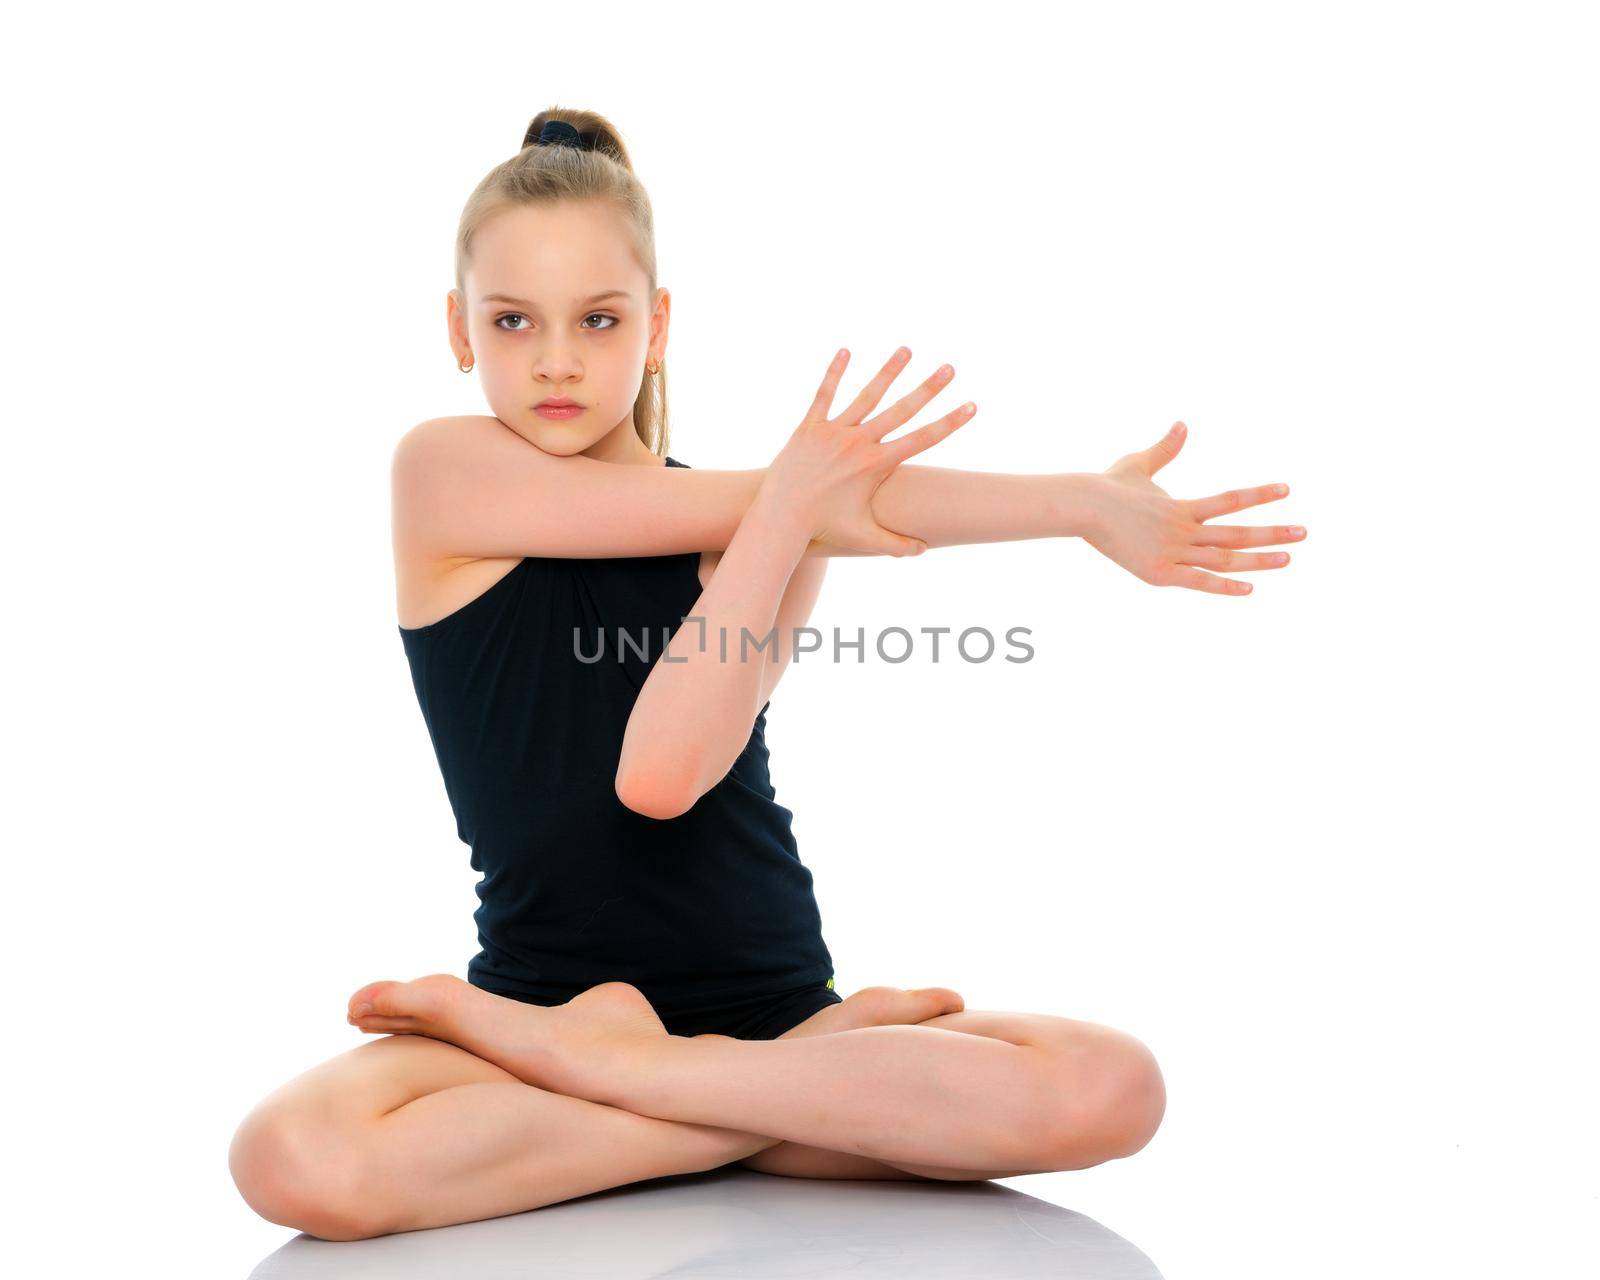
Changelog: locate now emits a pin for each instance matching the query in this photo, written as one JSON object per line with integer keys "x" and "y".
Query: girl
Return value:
{"x": 641, "y": 889}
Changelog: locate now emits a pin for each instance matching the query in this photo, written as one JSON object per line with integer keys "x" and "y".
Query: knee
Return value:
{"x": 296, "y": 1177}
{"x": 1112, "y": 1104}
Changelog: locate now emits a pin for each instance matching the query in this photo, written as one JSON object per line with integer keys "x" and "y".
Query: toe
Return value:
{"x": 383, "y": 1026}
{"x": 375, "y": 997}
{"x": 878, "y": 1006}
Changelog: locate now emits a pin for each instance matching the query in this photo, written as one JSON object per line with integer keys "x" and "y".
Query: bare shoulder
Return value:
{"x": 430, "y": 586}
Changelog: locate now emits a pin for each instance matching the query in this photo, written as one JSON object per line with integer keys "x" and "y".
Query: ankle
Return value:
{"x": 732, "y": 1145}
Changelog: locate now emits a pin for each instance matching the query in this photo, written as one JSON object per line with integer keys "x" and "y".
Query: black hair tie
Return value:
{"x": 561, "y": 134}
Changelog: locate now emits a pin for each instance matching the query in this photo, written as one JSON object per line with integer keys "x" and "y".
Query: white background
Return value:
{"x": 1325, "y": 848}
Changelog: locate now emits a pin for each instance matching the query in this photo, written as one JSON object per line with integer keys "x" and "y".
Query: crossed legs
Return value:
{"x": 413, "y": 1130}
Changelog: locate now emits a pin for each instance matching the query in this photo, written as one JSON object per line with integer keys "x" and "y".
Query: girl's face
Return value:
{"x": 556, "y": 306}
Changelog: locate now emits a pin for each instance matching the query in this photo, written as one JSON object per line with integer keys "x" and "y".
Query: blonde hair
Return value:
{"x": 542, "y": 174}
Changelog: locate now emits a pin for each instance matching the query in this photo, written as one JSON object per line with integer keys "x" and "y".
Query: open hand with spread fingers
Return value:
{"x": 829, "y": 469}
{"x": 1165, "y": 541}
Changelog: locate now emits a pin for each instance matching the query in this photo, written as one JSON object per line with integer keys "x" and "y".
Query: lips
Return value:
{"x": 560, "y": 403}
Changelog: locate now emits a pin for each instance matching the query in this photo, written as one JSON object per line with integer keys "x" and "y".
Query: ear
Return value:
{"x": 660, "y": 320}
{"x": 455, "y": 320}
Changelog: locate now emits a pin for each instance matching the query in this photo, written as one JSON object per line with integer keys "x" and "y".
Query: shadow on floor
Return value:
{"x": 738, "y": 1223}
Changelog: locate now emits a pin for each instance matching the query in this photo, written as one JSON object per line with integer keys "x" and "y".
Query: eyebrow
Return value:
{"x": 523, "y": 302}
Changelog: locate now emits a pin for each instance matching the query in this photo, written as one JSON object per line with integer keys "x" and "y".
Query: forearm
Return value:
{"x": 694, "y": 713}
{"x": 945, "y": 507}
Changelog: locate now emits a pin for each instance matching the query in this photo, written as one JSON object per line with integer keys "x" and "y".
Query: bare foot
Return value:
{"x": 879, "y": 1007}
{"x": 870, "y": 1007}
{"x": 573, "y": 1048}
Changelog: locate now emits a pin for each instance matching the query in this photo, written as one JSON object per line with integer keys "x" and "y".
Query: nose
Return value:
{"x": 556, "y": 363}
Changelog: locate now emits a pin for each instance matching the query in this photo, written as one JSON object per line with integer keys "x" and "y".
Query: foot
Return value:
{"x": 879, "y": 1007}
{"x": 575, "y": 1048}
{"x": 871, "y": 1007}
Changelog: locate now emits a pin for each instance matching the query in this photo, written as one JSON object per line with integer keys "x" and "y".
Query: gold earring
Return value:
{"x": 652, "y": 369}
{"x": 465, "y": 367}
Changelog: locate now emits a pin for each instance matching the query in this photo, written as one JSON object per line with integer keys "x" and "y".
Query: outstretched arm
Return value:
{"x": 470, "y": 487}
{"x": 693, "y": 715}
{"x": 467, "y": 488}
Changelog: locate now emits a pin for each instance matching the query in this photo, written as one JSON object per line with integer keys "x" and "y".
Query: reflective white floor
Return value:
{"x": 738, "y": 1223}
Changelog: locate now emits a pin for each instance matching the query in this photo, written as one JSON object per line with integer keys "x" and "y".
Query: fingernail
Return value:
{"x": 1297, "y": 531}
{"x": 1280, "y": 489}
{"x": 362, "y": 1010}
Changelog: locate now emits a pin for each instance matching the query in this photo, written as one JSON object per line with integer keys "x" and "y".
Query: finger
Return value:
{"x": 869, "y": 537}
{"x": 914, "y": 442}
{"x": 830, "y": 384}
{"x": 1230, "y": 561}
{"x": 1200, "y": 580}
{"x": 1235, "y": 500}
{"x": 1240, "y": 535}
{"x": 1163, "y": 450}
{"x": 905, "y": 408}
{"x": 887, "y": 542}
{"x": 873, "y": 391}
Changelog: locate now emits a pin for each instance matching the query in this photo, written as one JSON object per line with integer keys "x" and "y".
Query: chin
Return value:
{"x": 558, "y": 443}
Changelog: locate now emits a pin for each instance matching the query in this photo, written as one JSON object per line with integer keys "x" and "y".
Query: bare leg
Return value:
{"x": 406, "y": 1132}
{"x": 909, "y": 1093}
{"x": 916, "y": 1094}
{"x": 796, "y": 1160}
{"x": 409, "y": 1131}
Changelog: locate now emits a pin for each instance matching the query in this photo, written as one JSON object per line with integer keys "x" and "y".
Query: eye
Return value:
{"x": 513, "y": 315}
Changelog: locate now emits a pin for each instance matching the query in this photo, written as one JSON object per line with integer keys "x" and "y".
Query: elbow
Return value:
{"x": 656, "y": 792}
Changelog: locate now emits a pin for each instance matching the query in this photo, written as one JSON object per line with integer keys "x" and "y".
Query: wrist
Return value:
{"x": 1077, "y": 503}
{"x": 771, "y": 511}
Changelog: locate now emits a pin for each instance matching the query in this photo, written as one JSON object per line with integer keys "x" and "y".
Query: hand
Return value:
{"x": 828, "y": 471}
{"x": 1165, "y": 542}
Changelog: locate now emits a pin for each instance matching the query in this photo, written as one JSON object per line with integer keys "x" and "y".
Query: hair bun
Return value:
{"x": 580, "y": 130}
{"x": 561, "y": 134}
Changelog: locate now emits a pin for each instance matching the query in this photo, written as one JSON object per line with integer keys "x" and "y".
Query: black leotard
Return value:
{"x": 576, "y": 888}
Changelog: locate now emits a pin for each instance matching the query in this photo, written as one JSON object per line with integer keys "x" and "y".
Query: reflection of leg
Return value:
{"x": 406, "y": 1132}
